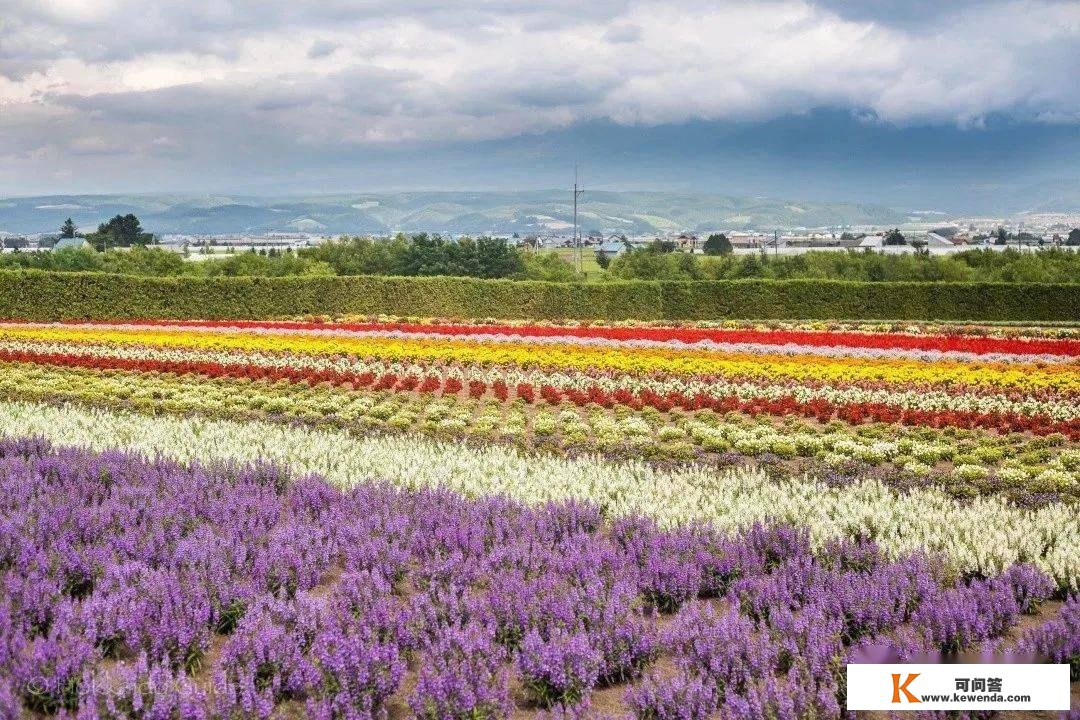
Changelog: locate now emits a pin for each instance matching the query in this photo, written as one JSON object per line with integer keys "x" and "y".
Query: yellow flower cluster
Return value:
{"x": 1062, "y": 378}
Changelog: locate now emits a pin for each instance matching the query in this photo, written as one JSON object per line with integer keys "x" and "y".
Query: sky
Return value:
{"x": 959, "y": 104}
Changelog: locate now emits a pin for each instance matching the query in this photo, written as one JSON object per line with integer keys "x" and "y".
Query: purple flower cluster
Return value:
{"x": 560, "y": 669}
{"x": 1057, "y": 640}
{"x": 462, "y": 677}
{"x": 264, "y": 662}
{"x": 142, "y": 690}
{"x": 148, "y": 589}
{"x": 683, "y": 697}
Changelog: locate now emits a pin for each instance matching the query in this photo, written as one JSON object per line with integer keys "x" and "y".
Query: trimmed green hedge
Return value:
{"x": 36, "y": 295}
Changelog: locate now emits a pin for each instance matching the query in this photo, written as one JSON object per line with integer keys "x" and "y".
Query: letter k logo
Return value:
{"x": 898, "y": 688}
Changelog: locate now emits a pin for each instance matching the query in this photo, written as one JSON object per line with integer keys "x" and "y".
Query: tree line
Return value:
{"x": 430, "y": 255}
{"x": 368, "y": 257}
{"x": 1052, "y": 265}
{"x": 419, "y": 255}
{"x": 120, "y": 231}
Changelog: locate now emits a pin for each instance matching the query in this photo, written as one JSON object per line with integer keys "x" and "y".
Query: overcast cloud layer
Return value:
{"x": 129, "y": 94}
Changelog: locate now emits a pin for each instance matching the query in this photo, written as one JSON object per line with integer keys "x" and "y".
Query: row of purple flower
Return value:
{"x": 139, "y": 589}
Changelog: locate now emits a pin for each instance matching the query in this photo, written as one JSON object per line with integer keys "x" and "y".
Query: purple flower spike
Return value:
{"x": 682, "y": 697}
{"x": 461, "y": 678}
{"x": 1030, "y": 585}
{"x": 562, "y": 669}
{"x": 1058, "y": 640}
{"x": 144, "y": 692}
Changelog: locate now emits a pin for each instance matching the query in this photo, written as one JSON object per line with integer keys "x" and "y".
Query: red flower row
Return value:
{"x": 786, "y": 405}
{"x": 811, "y": 338}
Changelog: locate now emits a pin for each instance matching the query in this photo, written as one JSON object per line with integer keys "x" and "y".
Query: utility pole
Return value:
{"x": 577, "y": 236}
{"x": 776, "y": 242}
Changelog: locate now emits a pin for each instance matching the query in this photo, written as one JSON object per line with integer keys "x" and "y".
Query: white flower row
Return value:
{"x": 985, "y": 535}
{"x": 1060, "y": 470}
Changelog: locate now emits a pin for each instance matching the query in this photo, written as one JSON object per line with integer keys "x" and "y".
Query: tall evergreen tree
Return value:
{"x": 894, "y": 237}
{"x": 717, "y": 244}
{"x": 67, "y": 230}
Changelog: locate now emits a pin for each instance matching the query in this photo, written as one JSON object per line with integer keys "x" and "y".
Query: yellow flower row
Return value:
{"x": 1035, "y": 376}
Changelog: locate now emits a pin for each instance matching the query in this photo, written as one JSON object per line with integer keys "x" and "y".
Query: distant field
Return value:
{"x": 588, "y": 260}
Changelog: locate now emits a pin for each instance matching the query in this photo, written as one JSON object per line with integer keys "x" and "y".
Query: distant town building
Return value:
{"x": 746, "y": 241}
{"x": 933, "y": 239}
{"x": 612, "y": 247}
{"x": 687, "y": 241}
{"x": 75, "y": 243}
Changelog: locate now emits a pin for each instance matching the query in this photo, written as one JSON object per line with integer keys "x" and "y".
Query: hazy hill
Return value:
{"x": 1050, "y": 196}
{"x": 457, "y": 212}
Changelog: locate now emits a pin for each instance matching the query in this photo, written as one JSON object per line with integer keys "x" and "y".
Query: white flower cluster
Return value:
{"x": 985, "y": 535}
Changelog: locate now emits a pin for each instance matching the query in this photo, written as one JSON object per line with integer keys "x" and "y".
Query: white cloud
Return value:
{"x": 251, "y": 76}
{"x": 321, "y": 49}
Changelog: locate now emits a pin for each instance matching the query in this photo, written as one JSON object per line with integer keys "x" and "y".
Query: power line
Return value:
{"x": 577, "y": 235}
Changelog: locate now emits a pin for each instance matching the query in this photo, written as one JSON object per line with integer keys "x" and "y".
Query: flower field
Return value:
{"x": 447, "y": 520}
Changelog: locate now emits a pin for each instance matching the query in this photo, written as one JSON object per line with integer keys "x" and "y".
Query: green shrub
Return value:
{"x": 41, "y": 295}
{"x": 784, "y": 448}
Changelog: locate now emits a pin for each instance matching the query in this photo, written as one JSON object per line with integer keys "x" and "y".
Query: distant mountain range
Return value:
{"x": 544, "y": 211}
{"x": 1061, "y": 195}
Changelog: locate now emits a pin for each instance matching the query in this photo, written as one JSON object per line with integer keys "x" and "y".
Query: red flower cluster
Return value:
{"x": 594, "y": 394}
{"x": 810, "y": 338}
